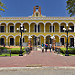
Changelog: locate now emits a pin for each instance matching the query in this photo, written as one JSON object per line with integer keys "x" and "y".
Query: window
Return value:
{"x": 72, "y": 27}
{"x": 38, "y": 28}
{"x": 2, "y": 29}
{"x": 36, "y": 14}
{"x": 35, "y": 28}
{"x": 62, "y": 41}
{"x": 53, "y": 28}
{"x": 61, "y": 28}
{"x": 11, "y": 28}
{"x": 50, "y": 28}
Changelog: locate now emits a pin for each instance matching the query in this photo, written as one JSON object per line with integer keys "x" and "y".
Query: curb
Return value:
{"x": 29, "y": 68}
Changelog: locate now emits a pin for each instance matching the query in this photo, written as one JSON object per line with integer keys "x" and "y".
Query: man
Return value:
{"x": 42, "y": 47}
{"x": 50, "y": 46}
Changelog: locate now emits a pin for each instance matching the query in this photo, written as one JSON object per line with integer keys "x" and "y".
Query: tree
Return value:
{"x": 2, "y": 6}
{"x": 71, "y": 7}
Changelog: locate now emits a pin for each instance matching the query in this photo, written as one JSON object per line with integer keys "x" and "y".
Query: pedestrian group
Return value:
{"x": 46, "y": 46}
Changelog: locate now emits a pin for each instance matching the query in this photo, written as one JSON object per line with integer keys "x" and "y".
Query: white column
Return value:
{"x": 59, "y": 28}
{"x": 6, "y": 28}
{"x": 44, "y": 40}
{"x": 74, "y": 41}
{"x": 74, "y": 27}
{"x": 29, "y": 28}
{"x": 52, "y": 27}
{"x": 6, "y": 41}
{"x": 14, "y": 41}
{"x": 44, "y": 28}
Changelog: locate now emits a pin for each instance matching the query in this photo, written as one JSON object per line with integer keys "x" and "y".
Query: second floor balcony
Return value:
{"x": 34, "y": 28}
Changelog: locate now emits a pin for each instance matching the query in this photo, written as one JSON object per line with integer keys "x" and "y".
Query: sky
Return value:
{"x": 24, "y": 8}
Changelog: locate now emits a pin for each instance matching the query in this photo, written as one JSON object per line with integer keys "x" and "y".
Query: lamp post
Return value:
{"x": 67, "y": 30}
{"x": 21, "y": 30}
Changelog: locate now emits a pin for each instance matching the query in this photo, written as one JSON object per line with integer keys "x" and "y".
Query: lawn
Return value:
{"x": 4, "y": 54}
{"x": 14, "y": 51}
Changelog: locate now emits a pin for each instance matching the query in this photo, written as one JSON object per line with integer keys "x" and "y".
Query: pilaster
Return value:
{"x": 52, "y": 27}
{"x": 44, "y": 28}
{"x": 44, "y": 40}
{"x": 29, "y": 28}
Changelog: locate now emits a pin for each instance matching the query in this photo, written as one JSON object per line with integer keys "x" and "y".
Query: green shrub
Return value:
{"x": 16, "y": 50}
{"x": 70, "y": 50}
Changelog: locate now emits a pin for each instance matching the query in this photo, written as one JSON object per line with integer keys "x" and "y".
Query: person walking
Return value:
{"x": 42, "y": 47}
{"x": 46, "y": 46}
{"x": 50, "y": 46}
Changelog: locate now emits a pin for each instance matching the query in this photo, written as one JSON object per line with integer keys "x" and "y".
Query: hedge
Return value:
{"x": 13, "y": 50}
{"x": 70, "y": 50}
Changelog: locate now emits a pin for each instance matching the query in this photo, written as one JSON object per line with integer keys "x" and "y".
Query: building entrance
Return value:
{"x": 62, "y": 41}
{"x": 11, "y": 41}
{"x": 2, "y": 41}
{"x": 72, "y": 42}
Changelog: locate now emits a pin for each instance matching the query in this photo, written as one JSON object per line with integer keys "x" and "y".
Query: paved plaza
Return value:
{"x": 37, "y": 58}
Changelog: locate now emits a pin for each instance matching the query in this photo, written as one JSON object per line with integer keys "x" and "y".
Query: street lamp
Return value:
{"x": 21, "y": 30}
{"x": 67, "y": 30}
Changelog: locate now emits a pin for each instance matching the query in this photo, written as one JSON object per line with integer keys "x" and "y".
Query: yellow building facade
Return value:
{"x": 41, "y": 28}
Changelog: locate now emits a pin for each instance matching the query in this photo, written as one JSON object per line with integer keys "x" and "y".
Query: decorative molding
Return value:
{"x": 36, "y": 18}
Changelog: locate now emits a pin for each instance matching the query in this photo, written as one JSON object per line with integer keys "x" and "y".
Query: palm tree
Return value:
{"x": 71, "y": 7}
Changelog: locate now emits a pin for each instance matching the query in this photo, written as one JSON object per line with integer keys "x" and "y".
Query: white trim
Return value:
{"x": 33, "y": 22}
{"x": 56, "y": 22}
{"x": 71, "y": 22}
{"x": 63, "y": 22}
{"x": 40, "y": 35}
{"x": 47, "y": 35}
{"x": 3, "y": 22}
{"x": 10, "y": 22}
{"x": 10, "y": 36}
{"x": 47, "y": 22}
{"x": 37, "y": 18}
{"x": 41, "y": 22}
{"x": 63, "y": 35}
{"x": 57, "y": 35}
{"x": 26, "y": 22}
{"x": 71, "y": 35}
{"x": 17, "y": 22}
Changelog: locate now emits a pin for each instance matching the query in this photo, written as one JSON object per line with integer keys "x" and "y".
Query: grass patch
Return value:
{"x": 4, "y": 54}
{"x": 14, "y": 51}
{"x": 70, "y": 50}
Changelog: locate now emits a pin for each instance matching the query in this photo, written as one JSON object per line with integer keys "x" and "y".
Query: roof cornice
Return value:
{"x": 37, "y": 18}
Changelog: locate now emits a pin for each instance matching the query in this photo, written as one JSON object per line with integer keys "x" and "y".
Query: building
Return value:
{"x": 41, "y": 28}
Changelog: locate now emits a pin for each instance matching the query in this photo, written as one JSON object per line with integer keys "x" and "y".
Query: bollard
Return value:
{"x": 10, "y": 53}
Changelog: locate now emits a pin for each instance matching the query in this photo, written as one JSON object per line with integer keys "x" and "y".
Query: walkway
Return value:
{"x": 37, "y": 57}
